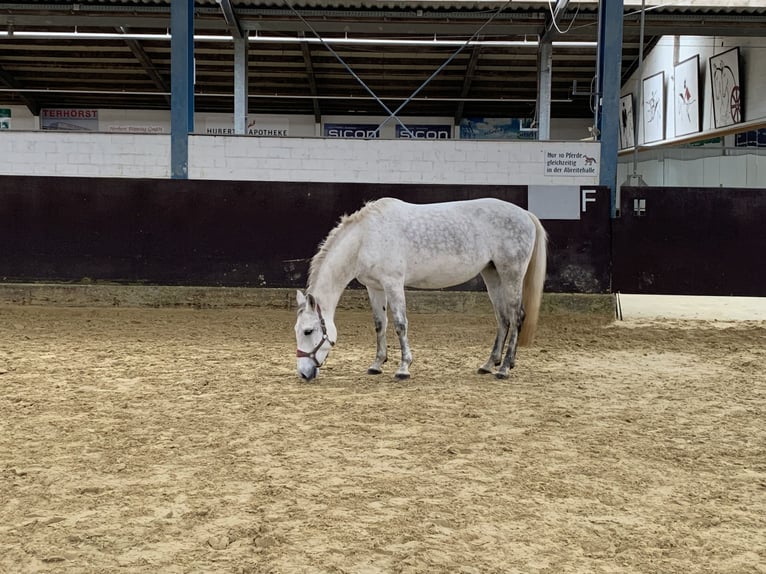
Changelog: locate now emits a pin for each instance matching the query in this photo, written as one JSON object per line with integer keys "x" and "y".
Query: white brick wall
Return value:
{"x": 84, "y": 154}
{"x": 286, "y": 159}
{"x": 376, "y": 161}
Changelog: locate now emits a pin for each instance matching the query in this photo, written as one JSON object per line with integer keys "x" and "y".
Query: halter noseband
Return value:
{"x": 313, "y": 353}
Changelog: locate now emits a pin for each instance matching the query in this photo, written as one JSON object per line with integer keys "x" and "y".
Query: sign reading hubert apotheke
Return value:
{"x": 69, "y": 119}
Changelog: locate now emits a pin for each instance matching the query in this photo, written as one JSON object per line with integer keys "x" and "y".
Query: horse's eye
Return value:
{"x": 308, "y": 332}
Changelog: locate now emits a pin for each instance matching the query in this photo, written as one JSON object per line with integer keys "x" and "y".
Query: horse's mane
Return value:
{"x": 345, "y": 222}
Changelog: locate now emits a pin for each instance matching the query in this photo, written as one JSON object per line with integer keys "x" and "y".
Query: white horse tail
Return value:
{"x": 534, "y": 279}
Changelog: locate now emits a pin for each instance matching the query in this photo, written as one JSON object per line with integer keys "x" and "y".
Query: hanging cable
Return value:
{"x": 394, "y": 114}
{"x": 345, "y": 65}
{"x": 444, "y": 65}
{"x": 556, "y": 24}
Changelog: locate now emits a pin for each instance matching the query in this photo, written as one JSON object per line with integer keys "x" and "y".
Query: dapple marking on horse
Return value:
{"x": 389, "y": 244}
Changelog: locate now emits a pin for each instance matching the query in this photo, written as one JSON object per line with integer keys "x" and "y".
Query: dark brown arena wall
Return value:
{"x": 233, "y": 233}
{"x": 691, "y": 241}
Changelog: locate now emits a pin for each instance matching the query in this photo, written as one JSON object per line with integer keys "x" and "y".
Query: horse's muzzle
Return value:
{"x": 310, "y": 374}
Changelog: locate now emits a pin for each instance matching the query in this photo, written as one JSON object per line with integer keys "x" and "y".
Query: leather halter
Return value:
{"x": 313, "y": 353}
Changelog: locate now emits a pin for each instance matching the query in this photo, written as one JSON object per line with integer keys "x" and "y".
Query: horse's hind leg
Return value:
{"x": 497, "y": 297}
{"x": 516, "y": 316}
{"x": 380, "y": 316}
{"x": 504, "y": 285}
{"x": 398, "y": 306}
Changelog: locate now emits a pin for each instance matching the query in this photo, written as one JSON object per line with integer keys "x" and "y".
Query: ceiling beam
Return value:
{"x": 147, "y": 64}
{"x": 232, "y": 22}
{"x": 311, "y": 76}
{"x": 334, "y": 21}
{"x": 470, "y": 70}
{"x": 331, "y": 22}
{"x": 10, "y": 81}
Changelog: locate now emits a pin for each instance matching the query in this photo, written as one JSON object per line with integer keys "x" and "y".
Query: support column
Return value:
{"x": 544, "y": 79}
{"x": 240, "y": 84}
{"x": 182, "y": 85}
{"x": 609, "y": 78}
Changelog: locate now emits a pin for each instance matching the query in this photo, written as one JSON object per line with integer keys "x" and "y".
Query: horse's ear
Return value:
{"x": 300, "y": 298}
{"x": 312, "y": 301}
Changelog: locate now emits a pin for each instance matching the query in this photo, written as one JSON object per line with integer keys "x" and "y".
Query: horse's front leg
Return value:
{"x": 399, "y": 314}
{"x": 380, "y": 316}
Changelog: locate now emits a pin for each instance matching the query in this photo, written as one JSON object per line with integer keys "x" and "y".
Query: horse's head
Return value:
{"x": 315, "y": 336}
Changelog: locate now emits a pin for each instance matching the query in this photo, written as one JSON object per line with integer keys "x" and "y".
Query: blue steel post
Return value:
{"x": 609, "y": 67}
{"x": 182, "y": 85}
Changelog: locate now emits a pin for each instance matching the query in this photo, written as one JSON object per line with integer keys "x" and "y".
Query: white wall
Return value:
{"x": 258, "y": 124}
{"x": 134, "y": 121}
{"x": 22, "y": 119}
{"x": 380, "y": 161}
{"x": 290, "y": 159}
{"x": 571, "y": 129}
{"x": 671, "y": 50}
{"x": 276, "y": 125}
{"x": 713, "y": 165}
{"x": 744, "y": 167}
{"x": 364, "y": 161}
{"x": 84, "y": 154}
{"x": 130, "y": 150}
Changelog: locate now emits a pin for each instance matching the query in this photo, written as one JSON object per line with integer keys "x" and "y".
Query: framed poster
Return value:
{"x": 686, "y": 96}
{"x": 724, "y": 81}
{"x": 627, "y": 135}
{"x": 653, "y": 107}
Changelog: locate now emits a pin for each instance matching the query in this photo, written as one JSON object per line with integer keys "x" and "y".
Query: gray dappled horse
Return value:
{"x": 390, "y": 244}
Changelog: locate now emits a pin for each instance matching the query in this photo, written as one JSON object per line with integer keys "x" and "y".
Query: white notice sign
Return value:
{"x": 567, "y": 163}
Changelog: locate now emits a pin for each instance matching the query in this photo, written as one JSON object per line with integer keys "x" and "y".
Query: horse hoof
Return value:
{"x": 402, "y": 376}
{"x": 483, "y": 371}
{"x": 372, "y": 371}
{"x": 501, "y": 375}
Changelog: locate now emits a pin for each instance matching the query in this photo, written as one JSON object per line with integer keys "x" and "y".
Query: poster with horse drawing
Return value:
{"x": 686, "y": 96}
{"x": 724, "y": 81}
{"x": 653, "y": 107}
{"x": 627, "y": 137}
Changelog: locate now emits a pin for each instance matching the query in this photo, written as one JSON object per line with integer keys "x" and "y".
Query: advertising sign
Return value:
{"x": 362, "y": 131}
{"x": 69, "y": 119}
{"x": 5, "y": 118}
{"x": 261, "y": 127}
{"x": 424, "y": 131}
{"x": 135, "y": 129}
{"x": 753, "y": 138}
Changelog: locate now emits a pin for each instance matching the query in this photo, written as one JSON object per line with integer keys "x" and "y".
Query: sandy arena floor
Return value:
{"x": 178, "y": 441}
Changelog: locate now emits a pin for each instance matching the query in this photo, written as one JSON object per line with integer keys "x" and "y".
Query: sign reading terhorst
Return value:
{"x": 560, "y": 162}
{"x": 69, "y": 119}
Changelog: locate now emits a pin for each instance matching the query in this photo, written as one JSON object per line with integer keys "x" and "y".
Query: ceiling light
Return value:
{"x": 44, "y": 35}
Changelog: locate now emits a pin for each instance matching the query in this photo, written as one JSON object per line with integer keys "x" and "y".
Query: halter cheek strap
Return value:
{"x": 313, "y": 353}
